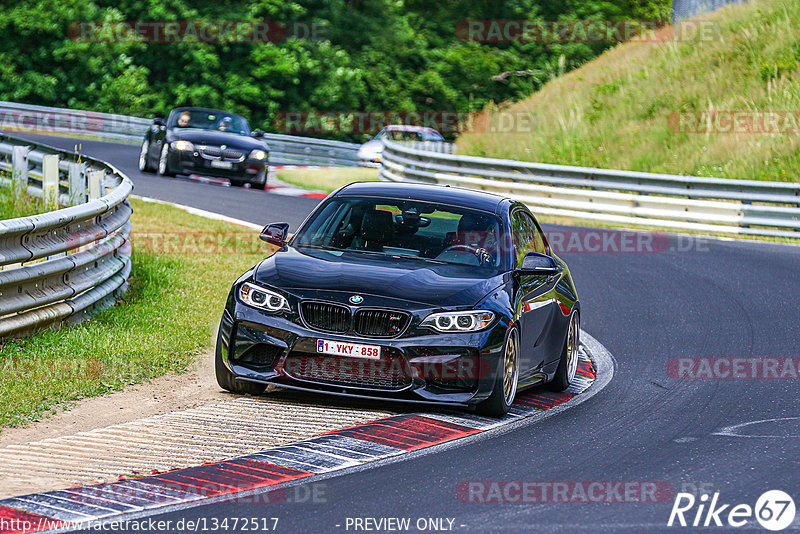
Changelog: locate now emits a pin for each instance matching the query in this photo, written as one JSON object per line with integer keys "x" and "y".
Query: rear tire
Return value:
{"x": 260, "y": 187}
{"x": 144, "y": 158}
{"x": 568, "y": 365}
{"x": 227, "y": 380}
{"x": 505, "y": 384}
{"x": 237, "y": 183}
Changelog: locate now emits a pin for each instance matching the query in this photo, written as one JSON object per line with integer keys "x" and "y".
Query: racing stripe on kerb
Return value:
{"x": 407, "y": 432}
{"x": 18, "y": 521}
{"x": 331, "y": 451}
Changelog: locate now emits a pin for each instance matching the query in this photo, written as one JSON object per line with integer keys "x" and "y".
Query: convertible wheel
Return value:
{"x": 505, "y": 384}
{"x": 227, "y": 380}
{"x": 568, "y": 365}
{"x": 163, "y": 168}
{"x": 144, "y": 163}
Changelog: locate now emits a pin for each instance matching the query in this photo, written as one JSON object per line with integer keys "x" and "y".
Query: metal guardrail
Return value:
{"x": 743, "y": 207}
{"x": 63, "y": 265}
{"x": 284, "y": 149}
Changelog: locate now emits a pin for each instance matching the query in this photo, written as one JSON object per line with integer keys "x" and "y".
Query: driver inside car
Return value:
{"x": 475, "y": 241}
{"x": 183, "y": 120}
{"x": 225, "y": 124}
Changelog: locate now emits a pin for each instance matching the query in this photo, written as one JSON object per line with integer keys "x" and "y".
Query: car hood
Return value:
{"x": 331, "y": 274}
{"x": 371, "y": 147}
{"x": 208, "y": 137}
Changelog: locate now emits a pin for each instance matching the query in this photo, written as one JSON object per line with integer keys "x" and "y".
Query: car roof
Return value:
{"x": 454, "y": 196}
{"x": 408, "y": 128}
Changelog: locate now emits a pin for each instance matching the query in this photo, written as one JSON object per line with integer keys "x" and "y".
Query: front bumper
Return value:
{"x": 191, "y": 162}
{"x": 452, "y": 369}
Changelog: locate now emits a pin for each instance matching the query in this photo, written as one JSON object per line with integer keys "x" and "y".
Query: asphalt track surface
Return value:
{"x": 717, "y": 299}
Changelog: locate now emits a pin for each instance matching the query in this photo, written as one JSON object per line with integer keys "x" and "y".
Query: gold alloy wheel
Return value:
{"x": 510, "y": 368}
{"x": 572, "y": 348}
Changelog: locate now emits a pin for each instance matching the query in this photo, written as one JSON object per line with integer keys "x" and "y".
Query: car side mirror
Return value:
{"x": 537, "y": 263}
{"x": 158, "y": 121}
{"x": 275, "y": 234}
{"x": 257, "y": 133}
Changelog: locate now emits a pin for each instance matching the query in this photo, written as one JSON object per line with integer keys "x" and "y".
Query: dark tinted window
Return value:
{"x": 407, "y": 228}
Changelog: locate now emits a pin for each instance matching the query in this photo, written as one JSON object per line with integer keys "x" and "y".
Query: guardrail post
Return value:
{"x": 77, "y": 183}
{"x": 96, "y": 179}
{"x": 19, "y": 170}
{"x": 50, "y": 180}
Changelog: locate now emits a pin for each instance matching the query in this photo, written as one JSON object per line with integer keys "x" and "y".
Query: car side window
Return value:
{"x": 539, "y": 241}
{"x": 523, "y": 235}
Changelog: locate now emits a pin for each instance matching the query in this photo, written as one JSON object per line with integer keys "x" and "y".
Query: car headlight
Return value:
{"x": 260, "y": 297}
{"x": 180, "y": 144}
{"x": 467, "y": 321}
{"x": 257, "y": 154}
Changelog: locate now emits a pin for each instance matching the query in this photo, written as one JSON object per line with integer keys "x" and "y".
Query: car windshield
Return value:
{"x": 209, "y": 120}
{"x": 405, "y": 135}
{"x": 404, "y": 228}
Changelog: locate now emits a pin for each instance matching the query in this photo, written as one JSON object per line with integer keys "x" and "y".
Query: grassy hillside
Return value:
{"x": 614, "y": 112}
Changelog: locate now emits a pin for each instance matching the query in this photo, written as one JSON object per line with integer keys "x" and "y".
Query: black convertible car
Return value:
{"x": 407, "y": 292}
{"x": 208, "y": 142}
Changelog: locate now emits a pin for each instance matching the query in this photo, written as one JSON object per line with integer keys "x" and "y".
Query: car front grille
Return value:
{"x": 368, "y": 322}
{"x": 380, "y": 323}
{"x": 215, "y": 152}
{"x": 326, "y": 317}
{"x": 386, "y": 373}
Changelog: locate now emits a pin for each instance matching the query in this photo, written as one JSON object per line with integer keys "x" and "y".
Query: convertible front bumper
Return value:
{"x": 192, "y": 162}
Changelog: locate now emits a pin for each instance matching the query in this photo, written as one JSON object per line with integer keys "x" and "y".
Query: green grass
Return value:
{"x": 14, "y": 205}
{"x": 327, "y": 179}
{"x": 614, "y": 111}
{"x": 166, "y": 319}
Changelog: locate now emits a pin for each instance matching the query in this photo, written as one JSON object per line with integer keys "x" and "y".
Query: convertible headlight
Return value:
{"x": 180, "y": 144}
{"x": 263, "y": 298}
{"x": 257, "y": 154}
{"x": 467, "y": 321}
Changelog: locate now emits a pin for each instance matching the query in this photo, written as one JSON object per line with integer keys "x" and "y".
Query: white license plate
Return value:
{"x": 353, "y": 350}
{"x": 221, "y": 164}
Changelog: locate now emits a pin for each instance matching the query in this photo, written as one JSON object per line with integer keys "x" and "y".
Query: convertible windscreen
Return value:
{"x": 209, "y": 120}
{"x": 411, "y": 229}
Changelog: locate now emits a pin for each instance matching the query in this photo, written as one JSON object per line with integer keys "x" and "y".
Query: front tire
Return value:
{"x": 505, "y": 384}
{"x": 163, "y": 162}
{"x": 227, "y": 380}
{"x": 568, "y": 365}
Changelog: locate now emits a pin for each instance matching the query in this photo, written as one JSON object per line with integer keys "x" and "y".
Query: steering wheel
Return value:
{"x": 480, "y": 253}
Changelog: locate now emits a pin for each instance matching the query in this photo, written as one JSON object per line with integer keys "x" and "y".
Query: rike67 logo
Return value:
{"x": 774, "y": 510}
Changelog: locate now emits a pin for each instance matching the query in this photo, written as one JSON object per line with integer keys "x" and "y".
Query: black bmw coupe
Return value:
{"x": 208, "y": 142}
{"x": 408, "y": 292}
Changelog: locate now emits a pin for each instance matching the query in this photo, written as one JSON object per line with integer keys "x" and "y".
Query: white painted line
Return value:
{"x": 733, "y": 430}
{"x": 201, "y": 213}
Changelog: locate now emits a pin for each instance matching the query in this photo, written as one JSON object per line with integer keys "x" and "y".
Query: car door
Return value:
{"x": 535, "y": 299}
